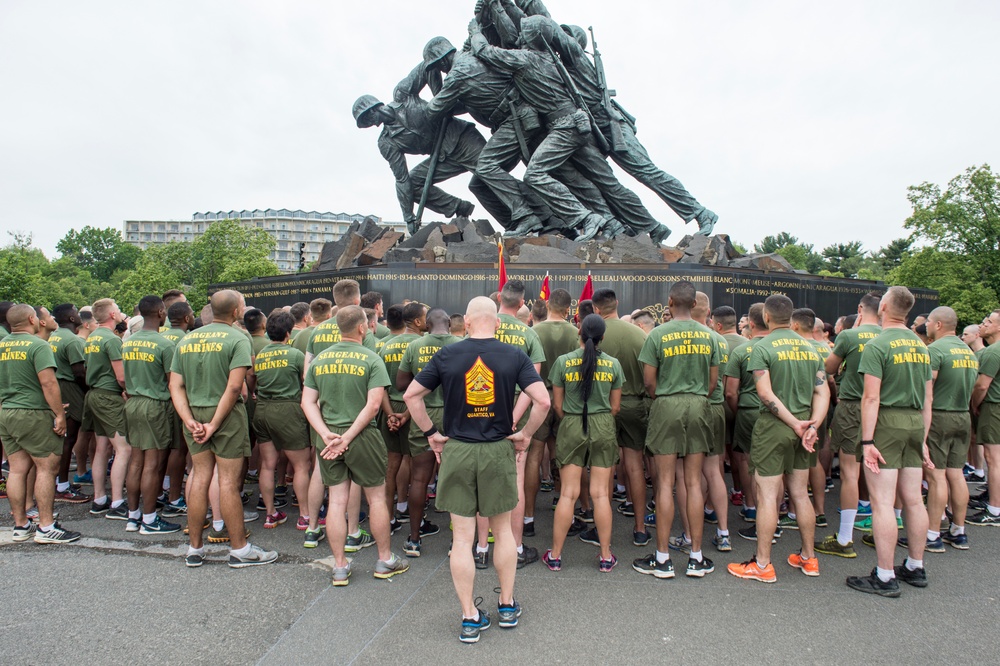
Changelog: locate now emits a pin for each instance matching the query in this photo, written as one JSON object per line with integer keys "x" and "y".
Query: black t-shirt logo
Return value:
{"x": 479, "y": 385}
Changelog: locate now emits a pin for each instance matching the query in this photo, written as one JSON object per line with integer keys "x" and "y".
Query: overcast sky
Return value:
{"x": 806, "y": 117}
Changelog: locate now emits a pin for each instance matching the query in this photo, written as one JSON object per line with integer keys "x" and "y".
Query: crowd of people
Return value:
{"x": 355, "y": 412}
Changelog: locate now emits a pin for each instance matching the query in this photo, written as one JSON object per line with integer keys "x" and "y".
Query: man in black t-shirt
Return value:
{"x": 478, "y": 474}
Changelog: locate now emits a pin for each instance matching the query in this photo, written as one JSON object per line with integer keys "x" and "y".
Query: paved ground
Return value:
{"x": 119, "y": 598}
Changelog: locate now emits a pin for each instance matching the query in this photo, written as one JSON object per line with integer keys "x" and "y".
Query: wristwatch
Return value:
{"x": 868, "y": 442}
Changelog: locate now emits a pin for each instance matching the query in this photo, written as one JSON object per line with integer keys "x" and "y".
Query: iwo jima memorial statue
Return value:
{"x": 546, "y": 102}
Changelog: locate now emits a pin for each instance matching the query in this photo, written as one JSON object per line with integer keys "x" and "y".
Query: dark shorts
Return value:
{"x": 776, "y": 449}
{"x": 395, "y": 442}
{"x": 948, "y": 441}
{"x": 899, "y": 437}
{"x": 598, "y": 447}
{"x": 150, "y": 423}
{"x": 550, "y": 424}
{"x": 479, "y": 477}
{"x": 365, "y": 461}
{"x": 230, "y": 441}
{"x": 73, "y": 398}
{"x": 29, "y": 430}
{"x": 632, "y": 421}
{"x": 418, "y": 443}
{"x": 104, "y": 413}
{"x": 679, "y": 425}
{"x": 988, "y": 426}
{"x": 846, "y": 430}
{"x": 743, "y": 425}
{"x": 717, "y": 414}
{"x": 283, "y": 423}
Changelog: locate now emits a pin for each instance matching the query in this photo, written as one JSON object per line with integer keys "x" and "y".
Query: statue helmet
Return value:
{"x": 436, "y": 50}
{"x": 537, "y": 31}
{"x": 363, "y": 105}
{"x": 577, "y": 33}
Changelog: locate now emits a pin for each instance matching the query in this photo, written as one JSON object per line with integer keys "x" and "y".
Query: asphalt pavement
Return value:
{"x": 120, "y": 598}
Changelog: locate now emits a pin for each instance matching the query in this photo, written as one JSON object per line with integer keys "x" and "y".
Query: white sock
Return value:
{"x": 845, "y": 534}
{"x": 913, "y": 564}
{"x": 101, "y": 500}
{"x": 482, "y": 549}
{"x": 932, "y": 535}
{"x": 520, "y": 549}
{"x": 134, "y": 515}
{"x": 252, "y": 472}
{"x": 980, "y": 471}
{"x": 695, "y": 555}
{"x": 117, "y": 503}
{"x": 217, "y": 525}
{"x": 884, "y": 575}
{"x": 196, "y": 551}
{"x": 899, "y": 513}
{"x": 62, "y": 487}
{"x": 528, "y": 520}
{"x": 957, "y": 529}
{"x": 791, "y": 516}
{"x": 402, "y": 506}
{"x": 993, "y": 510}
{"x": 245, "y": 550}
{"x": 46, "y": 528}
{"x": 662, "y": 557}
{"x": 149, "y": 518}
{"x": 356, "y": 534}
{"x": 721, "y": 533}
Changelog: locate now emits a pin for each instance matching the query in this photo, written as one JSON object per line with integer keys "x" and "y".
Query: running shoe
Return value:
{"x": 586, "y": 516}
{"x": 526, "y": 557}
{"x": 175, "y": 509}
{"x": 787, "y": 523}
{"x": 736, "y": 498}
{"x": 471, "y": 629}
{"x": 821, "y": 520}
{"x": 341, "y": 575}
{"x": 626, "y": 509}
{"x": 698, "y": 569}
{"x": 401, "y": 516}
{"x": 507, "y": 614}
{"x": 529, "y": 529}
{"x": 590, "y": 536}
{"x": 482, "y": 560}
{"x": 619, "y": 496}
{"x": 207, "y": 525}
{"x": 246, "y": 497}
{"x": 640, "y": 538}
{"x": 983, "y": 518}
{"x": 281, "y": 491}
{"x": 86, "y": 479}
{"x": 605, "y": 566}
{"x": 392, "y": 567}
{"x": 723, "y": 544}
{"x": 133, "y": 525}
{"x": 651, "y": 506}
{"x": 868, "y": 540}
{"x": 427, "y": 528}
{"x": 935, "y": 546}
{"x": 252, "y": 478}
{"x": 976, "y": 477}
{"x": 221, "y": 536}
{"x": 3, "y": 488}
{"x": 250, "y": 516}
{"x": 24, "y": 533}
{"x": 649, "y": 520}
{"x": 278, "y": 504}
{"x": 255, "y": 557}
{"x": 32, "y": 514}
{"x": 359, "y": 542}
{"x": 680, "y": 543}
{"x": 56, "y": 534}
{"x": 553, "y": 563}
{"x": 916, "y": 577}
{"x": 871, "y": 584}
{"x": 313, "y": 537}
{"x": 194, "y": 558}
{"x": 97, "y": 508}
{"x": 158, "y": 526}
{"x": 864, "y": 524}
{"x": 394, "y": 526}
{"x": 648, "y": 565}
{"x": 576, "y": 527}
{"x": 275, "y": 519}
{"x": 750, "y": 534}
{"x": 411, "y": 548}
{"x": 959, "y": 541}
{"x": 750, "y": 570}
{"x": 547, "y": 486}
{"x": 711, "y": 517}
{"x": 302, "y": 524}
{"x": 117, "y": 513}
{"x": 71, "y": 496}
{"x": 749, "y": 514}
{"x": 809, "y": 566}
{"x": 830, "y": 546}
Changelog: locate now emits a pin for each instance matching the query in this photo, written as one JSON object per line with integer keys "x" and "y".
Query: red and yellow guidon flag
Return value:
{"x": 545, "y": 291}
{"x": 503, "y": 268}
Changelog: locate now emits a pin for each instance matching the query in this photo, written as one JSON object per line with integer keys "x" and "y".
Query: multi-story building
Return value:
{"x": 294, "y": 231}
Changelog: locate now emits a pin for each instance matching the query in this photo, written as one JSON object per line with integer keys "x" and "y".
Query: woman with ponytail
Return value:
{"x": 586, "y": 395}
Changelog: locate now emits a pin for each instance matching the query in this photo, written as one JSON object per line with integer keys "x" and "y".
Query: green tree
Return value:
{"x": 962, "y": 221}
{"x": 892, "y": 255}
{"x": 771, "y": 244}
{"x": 99, "y": 251}
{"x": 953, "y": 276}
{"x": 226, "y": 252}
{"x": 844, "y": 258}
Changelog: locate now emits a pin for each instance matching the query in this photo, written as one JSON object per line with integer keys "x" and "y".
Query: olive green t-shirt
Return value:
{"x": 848, "y": 347}
{"x": 719, "y": 394}
{"x": 279, "y": 368}
{"x": 343, "y": 374}
{"x": 624, "y": 341}
{"x": 792, "y": 363}
{"x": 515, "y": 333}
{"x": 822, "y": 349}
{"x": 738, "y": 366}
{"x": 900, "y": 359}
{"x": 957, "y": 369}
{"x": 146, "y": 358}
{"x": 205, "y": 357}
{"x": 392, "y": 355}
{"x": 608, "y": 375}
{"x": 258, "y": 342}
{"x": 979, "y": 354}
{"x": 22, "y": 357}
{"x": 327, "y": 334}
{"x": 419, "y": 353}
{"x": 381, "y": 332}
{"x": 683, "y": 352}
{"x": 102, "y": 347}
{"x": 173, "y": 335}
{"x": 989, "y": 364}
{"x": 557, "y": 338}
{"x": 67, "y": 348}
{"x": 301, "y": 341}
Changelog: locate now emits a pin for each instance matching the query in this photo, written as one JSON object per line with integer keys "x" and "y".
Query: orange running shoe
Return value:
{"x": 809, "y": 566}
{"x": 753, "y": 571}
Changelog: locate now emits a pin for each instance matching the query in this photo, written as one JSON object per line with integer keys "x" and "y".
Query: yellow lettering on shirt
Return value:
{"x": 201, "y": 347}
{"x": 270, "y": 365}
{"x": 340, "y": 368}
{"x": 967, "y": 364}
{"x": 912, "y": 356}
{"x": 138, "y": 356}
{"x": 683, "y": 335}
{"x": 13, "y": 356}
{"x": 686, "y": 349}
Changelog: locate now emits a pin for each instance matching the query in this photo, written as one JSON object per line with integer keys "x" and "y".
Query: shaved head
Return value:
{"x": 225, "y": 303}
{"x": 481, "y": 308}
{"x": 898, "y": 301}
{"x": 942, "y": 322}
{"x": 19, "y": 316}
{"x": 701, "y": 307}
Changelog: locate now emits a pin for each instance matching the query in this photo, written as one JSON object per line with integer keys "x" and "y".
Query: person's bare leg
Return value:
{"x": 504, "y": 555}
{"x": 959, "y": 496}
{"x": 664, "y": 500}
{"x": 99, "y": 467}
{"x": 149, "y": 482}
{"x": 69, "y": 442}
{"x": 133, "y": 480}
{"x": 353, "y": 508}
{"x": 230, "y": 473}
{"x": 17, "y": 487}
{"x": 532, "y": 476}
{"x": 176, "y": 464}
{"x": 635, "y": 482}
{"x": 421, "y": 468}
{"x": 817, "y": 479}
{"x": 717, "y": 490}
{"x": 82, "y": 452}
{"x": 202, "y": 473}
{"x": 403, "y": 486}
{"x": 992, "y": 452}
{"x": 937, "y": 498}
{"x": 742, "y": 467}
{"x": 908, "y": 490}
{"x": 680, "y": 497}
{"x": 798, "y": 493}
{"x": 463, "y": 565}
{"x": 517, "y": 515}
{"x": 600, "y": 482}
{"x": 391, "y": 473}
{"x": 695, "y": 498}
{"x": 267, "y": 479}
{"x": 299, "y": 461}
{"x": 378, "y": 520}
{"x": 882, "y": 489}
{"x": 768, "y": 488}
{"x": 336, "y": 523}
{"x": 119, "y": 468}
{"x": 316, "y": 491}
{"x": 570, "y": 475}
{"x": 483, "y": 530}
